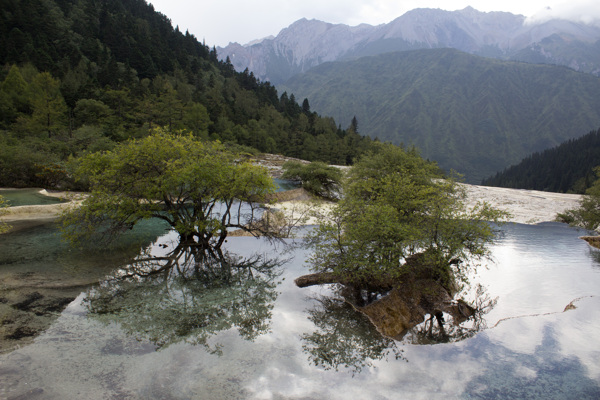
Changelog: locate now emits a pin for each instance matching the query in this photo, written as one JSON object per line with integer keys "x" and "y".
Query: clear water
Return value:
{"x": 283, "y": 185}
{"x": 175, "y": 336}
{"x": 27, "y": 197}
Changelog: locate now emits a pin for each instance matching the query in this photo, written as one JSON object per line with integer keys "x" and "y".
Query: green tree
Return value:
{"x": 200, "y": 189}
{"x": 306, "y": 106}
{"x": 169, "y": 106}
{"x": 91, "y": 112}
{"x": 49, "y": 108}
{"x": 4, "y": 227}
{"x": 587, "y": 215}
{"x": 15, "y": 89}
{"x": 397, "y": 210}
{"x": 318, "y": 178}
{"x": 353, "y": 125}
{"x": 196, "y": 118}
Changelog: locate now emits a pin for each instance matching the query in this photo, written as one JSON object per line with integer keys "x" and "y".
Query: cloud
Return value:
{"x": 222, "y": 21}
{"x": 586, "y": 11}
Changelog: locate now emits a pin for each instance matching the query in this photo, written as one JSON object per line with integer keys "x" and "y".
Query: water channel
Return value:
{"x": 99, "y": 324}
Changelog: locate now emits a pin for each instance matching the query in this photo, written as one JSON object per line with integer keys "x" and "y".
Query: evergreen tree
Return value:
{"x": 49, "y": 108}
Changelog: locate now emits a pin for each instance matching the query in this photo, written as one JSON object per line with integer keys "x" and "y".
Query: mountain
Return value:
{"x": 568, "y": 167}
{"x": 472, "y": 114}
{"x": 308, "y": 43}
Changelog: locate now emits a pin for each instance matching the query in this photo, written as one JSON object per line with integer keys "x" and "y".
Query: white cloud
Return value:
{"x": 586, "y": 11}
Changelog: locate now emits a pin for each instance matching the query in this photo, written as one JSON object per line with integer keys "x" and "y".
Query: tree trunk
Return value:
{"x": 317, "y": 279}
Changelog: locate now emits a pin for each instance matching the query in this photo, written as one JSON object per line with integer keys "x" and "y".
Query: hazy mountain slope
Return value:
{"x": 472, "y": 114}
{"x": 563, "y": 49}
{"x": 305, "y": 44}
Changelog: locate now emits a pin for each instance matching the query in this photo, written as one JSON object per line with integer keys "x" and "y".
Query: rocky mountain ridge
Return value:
{"x": 308, "y": 43}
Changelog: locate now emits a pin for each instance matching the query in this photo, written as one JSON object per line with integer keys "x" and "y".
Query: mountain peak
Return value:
{"x": 310, "y": 42}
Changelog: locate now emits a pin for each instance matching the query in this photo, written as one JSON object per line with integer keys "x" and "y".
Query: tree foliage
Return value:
{"x": 4, "y": 227}
{"x": 200, "y": 189}
{"x": 119, "y": 69}
{"x": 587, "y": 215}
{"x": 317, "y": 177}
{"x": 396, "y": 207}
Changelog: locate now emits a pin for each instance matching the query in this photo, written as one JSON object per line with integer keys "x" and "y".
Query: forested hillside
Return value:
{"x": 565, "y": 168}
{"x": 82, "y": 75}
{"x": 472, "y": 114}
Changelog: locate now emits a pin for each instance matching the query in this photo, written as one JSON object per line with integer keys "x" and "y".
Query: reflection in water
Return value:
{"x": 40, "y": 274}
{"x": 453, "y": 327}
{"x": 344, "y": 338}
{"x": 535, "y": 356}
{"x": 594, "y": 254}
{"x": 354, "y": 337}
{"x": 544, "y": 374}
{"x": 28, "y": 197}
{"x": 189, "y": 294}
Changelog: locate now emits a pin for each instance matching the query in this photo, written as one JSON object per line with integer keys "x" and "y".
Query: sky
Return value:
{"x": 218, "y": 22}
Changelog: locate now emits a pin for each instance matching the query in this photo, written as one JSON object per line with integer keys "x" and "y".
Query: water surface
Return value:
{"x": 27, "y": 197}
{"x": 267, "y": 339}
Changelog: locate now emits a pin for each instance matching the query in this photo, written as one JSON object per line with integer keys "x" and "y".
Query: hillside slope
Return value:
{"x": 82, "y": 75}
{"x": 568, "y": 167}
{"x": 471, "y": 114}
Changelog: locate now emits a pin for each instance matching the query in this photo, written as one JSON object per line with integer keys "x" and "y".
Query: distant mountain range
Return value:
{"x": 472, "y": 114}
{"x": 308, "y": 43}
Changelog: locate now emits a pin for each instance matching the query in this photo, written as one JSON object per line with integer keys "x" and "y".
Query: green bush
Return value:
{"x": 318, "y": 178}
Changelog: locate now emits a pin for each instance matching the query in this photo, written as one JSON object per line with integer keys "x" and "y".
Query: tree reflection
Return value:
{"x": 453, "y": 326}
{"x": 353, "y": 336}
{"x": 189, "y": 294}
{"x": 345, "y": 338}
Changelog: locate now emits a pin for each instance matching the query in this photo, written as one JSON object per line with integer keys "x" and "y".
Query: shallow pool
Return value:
{"x": 28, "y": 197}
{"x": 172, "y": 335}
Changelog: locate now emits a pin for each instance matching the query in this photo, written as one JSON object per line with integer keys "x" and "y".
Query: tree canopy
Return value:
{"x": 4, "y": 227}
{"x": 199, "y": 188}
{"x": 587, "y": 215}
{"x": 317, "y": 177}
{"x": 85, "y": 75}
{"x": 396, "y": 209}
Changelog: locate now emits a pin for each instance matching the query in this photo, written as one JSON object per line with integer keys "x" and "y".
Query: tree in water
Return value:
{"x": 397, "y": 207}
{"x": 345, "y": 338}
{"x": 400, "y": 227}
{"x": 199, "y": 188}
